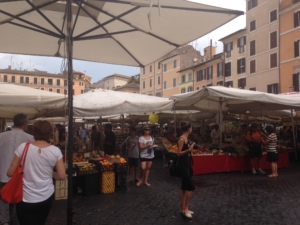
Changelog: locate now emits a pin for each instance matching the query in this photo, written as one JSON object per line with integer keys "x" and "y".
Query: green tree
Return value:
{"x": 135, "y": 78}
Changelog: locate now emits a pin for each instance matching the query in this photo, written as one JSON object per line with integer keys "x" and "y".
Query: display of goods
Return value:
{"x": 107, "y": 166}
{"x": 77, "y": 159}
{"x": 89, "y": 168}
{"x": 174, "y": 148}
{"x": 215, "y": 151}
{"x": 89, "y": 184}
{"x": 107, "y": 182}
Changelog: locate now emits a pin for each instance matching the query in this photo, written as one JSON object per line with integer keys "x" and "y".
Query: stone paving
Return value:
{"x": 224, "y": 198}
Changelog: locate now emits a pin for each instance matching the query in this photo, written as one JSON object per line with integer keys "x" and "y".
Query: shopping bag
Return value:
{"x": 12, "y": 192}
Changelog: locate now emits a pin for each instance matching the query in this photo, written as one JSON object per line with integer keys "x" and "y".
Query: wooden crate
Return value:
{"x": 107, "y": 182}
{"x": 61, "y": 189}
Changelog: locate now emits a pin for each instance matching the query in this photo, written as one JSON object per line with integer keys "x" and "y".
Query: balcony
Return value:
{"x": 287, "y": 3}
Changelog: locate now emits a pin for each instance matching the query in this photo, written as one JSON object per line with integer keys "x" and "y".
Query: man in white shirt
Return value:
{"x": 9, "y": 142}
{"x": 215, "y": 135}
{"x": 83, "y": 134}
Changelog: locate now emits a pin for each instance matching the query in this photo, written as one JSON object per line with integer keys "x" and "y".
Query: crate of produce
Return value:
{"x": 107, "y": 182}
{"x": 120, "y": 181}
{"x": 88, "y": 184}
{"x": 121, "y": 167}
{"x": 87, "y": 169}
{"x": 61, "y": 189}
{"x": 107, "y": 166}
{"x": 98, "y": 165}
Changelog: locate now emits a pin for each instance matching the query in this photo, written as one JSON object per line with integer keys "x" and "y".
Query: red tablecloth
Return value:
{"x": 225, "y": 163}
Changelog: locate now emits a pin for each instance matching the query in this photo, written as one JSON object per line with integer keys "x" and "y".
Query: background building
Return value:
{"x": 46, "y": 81}
{"x": 289, "y": 15}
{"x": 131, "y": 88}
{"x": 112, "y": 81}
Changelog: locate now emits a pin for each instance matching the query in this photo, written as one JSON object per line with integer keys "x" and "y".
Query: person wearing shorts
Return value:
{"x": 253, "y": 138}
{"x": 146, "y": 143}
{"x": 132, "y": 147}
{"x": 272, "y": 154}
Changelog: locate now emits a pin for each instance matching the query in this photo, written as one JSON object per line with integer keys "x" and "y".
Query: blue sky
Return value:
{"x": 99, "y": 70}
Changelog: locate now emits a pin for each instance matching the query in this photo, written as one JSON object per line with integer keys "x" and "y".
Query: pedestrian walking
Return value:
{"x": 9, "y": 141}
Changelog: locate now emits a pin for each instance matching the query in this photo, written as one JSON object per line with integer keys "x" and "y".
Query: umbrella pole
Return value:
{"x": 70, "y": 104}
{"x": 294, "y": 138}
{"x": 220, "y": 126}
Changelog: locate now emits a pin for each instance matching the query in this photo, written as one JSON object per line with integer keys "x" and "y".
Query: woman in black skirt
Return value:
{"x": 185, "y": 168}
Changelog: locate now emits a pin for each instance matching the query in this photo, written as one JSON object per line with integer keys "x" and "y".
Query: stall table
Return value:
{"x": 206, "y": 164}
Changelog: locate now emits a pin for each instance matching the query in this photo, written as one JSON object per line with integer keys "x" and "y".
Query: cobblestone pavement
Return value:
{"x": 224, "y": 198}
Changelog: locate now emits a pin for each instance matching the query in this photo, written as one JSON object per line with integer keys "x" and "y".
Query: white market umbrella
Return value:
{"x": 101, "y": 102}
{"x": 34, "y": 103}
{"x": 125, "y": 32}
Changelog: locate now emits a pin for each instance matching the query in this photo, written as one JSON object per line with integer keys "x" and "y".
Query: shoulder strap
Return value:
{"x": 24, "y": 155}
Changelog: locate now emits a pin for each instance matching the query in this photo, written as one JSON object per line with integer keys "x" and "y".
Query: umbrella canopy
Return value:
{"x": 33, "y": 102}
{"x": 124, "y": 32}
{"x": 233, "y": 100}
{"x": 100, "y": 102}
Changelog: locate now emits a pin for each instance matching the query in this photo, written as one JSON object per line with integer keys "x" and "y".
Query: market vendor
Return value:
{"x": 95, "y": 138}
{"x": 215, "y": 135}
{"x": 110, "y": 140}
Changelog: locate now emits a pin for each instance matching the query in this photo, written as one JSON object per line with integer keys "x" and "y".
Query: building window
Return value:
{"x": 273, "y": 15}
{"x": 174, "y": 82}
{"x": 241, "y": 44}
{"x": 42, "y": 89}
{"x": 58, "y": 82}
{"x": 158, "y": 80}
{"x": 273, "y": 40}
{"x": 252, "y": 66}
{"x": 150, "y": 83}
{"x": 273, "y": 88}
{"x": 21, "y": 80}
{"x": 81, "y": 91}
{"x": 50, "y": 82}
{"x": 150, "y": 68}
{"x": 252, "y": 47}
{"x": 198, "y": 88}
{"x": 241, "y": 68}
{"x": 273, "y": 60}
{"x": 252, "y": 4}
{"x": 144, "y": 70}
{"x": 165, "y": 84}
{"x": 252, "y": 89}
{"x": 190, "y": 88}
{"x": 296, "y": 81}
{"x": 297, "y": 48}
{"x": 35, "y": 80}
{"x": 144, "y": 84}
{"x": 13, "y": 79}
{"x": 209, "y": 72}
{"x": 58, "y": 91}
{"x": 65, "y": 92}
{"x": 220, "y": 69}
{"x": 5, "y": 78}
{"x": 175, "y": 63}
{"x": 242, "y": 83}
{"x": 158, "y": 67}
{"x": 297, "y": 19}
{"x": 227, "y": 69}
{"x": 183, "y": 78}
{"x": 198, "y": 76}
{"x": 182, "y": 90}
{"x": 252, "y": 25}
{"x": 229, "y": 84}
{"x": 220, "y": 83}
{"x": 190, "y": 77}
{"x": 50, "y": 89}
{"x": 203, "y": 75}
{"x": 228, "y": 48}
{"x": 165, "y": 67}
{"x": 157, "y": 94}
{"x": 42, "y": 80}
{"x": 27, "y": 80}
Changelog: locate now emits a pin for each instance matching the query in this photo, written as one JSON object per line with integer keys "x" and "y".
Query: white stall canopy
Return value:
{"x": 33, "y": 102}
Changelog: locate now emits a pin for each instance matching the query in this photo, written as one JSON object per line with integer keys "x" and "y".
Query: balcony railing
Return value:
{"x": 287, "y": 3}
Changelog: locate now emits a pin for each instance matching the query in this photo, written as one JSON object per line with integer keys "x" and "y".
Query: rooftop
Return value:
{"x": 130, "y": 85}
{"x": 232, "y": 34}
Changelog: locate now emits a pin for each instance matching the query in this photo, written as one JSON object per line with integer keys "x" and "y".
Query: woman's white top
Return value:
{"x": 38, "y": 172}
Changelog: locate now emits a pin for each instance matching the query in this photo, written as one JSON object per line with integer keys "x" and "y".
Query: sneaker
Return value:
{"x": 261, "y": 171}
{"x": 253, "y": 171}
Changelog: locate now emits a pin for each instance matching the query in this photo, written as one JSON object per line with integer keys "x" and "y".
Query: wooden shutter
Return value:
{"x": 244, "y": 40}
{"x": 207, "y": 72}
{"x": 269, "y": 88}
{"x": 273, "y": 60}
{"x": 212, "y": 72}
{"x": 238, "y": 42}
{"x": 252, "y": 66}
{"x": 252, "y": 48}
{"x": 231, "y": 45}
{"x": 296, "y": 19}
{"x": 296, "y": 48}
{"x": 276, "y": 88}
{"x": 296, "y": 81}
{"x": 204, "y": 71}
{"x": 255, "y": 3}
{"x": 273, "y": 39}
{"x": 238, "y": 66}
{"x": 229, "y": 69}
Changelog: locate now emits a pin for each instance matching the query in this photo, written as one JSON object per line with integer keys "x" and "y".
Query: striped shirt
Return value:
{"x": 272, "y": 143}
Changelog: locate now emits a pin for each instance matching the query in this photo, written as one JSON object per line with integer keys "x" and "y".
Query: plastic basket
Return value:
{"x": 107, "y": 182}
{"x": 121, "y": 167}
{"x": 61, "y": 189}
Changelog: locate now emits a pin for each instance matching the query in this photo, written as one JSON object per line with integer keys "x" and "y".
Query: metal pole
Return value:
{"x": 294, "y": 137}
{"x": 70, "y": 104}
{"x": 220, "y": 125}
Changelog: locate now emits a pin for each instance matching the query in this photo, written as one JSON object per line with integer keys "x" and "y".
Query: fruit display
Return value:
{"x": 87, "y": 169}
{"x": 107, "y": 166}
{"x": 79, "y": 160}
{"x": 174, "y": 149}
